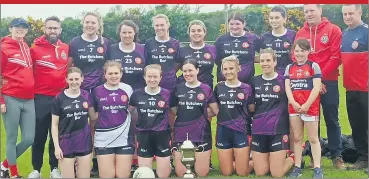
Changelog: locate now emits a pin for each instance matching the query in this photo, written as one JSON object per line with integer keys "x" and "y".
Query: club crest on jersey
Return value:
{"x": 161, "y": 103}
{"x": 324, "y": 39}
{"x": 207, "y": 56}
{"x": 85, "y": 105}
{"x": 200, "y": 96}
{"x": 170, "y": 50}
{"x": 245, "y": 45}
{"x": 286, "y": 44}
{"x": 355, "y": 44}
{"x": 307, "y": 73}
{"x": 138, "y": 60}
{"x": 276, "y": 88}
{"x": 241, "y": 96}
{"x": 100, "y": 50}
{"x": 63, "y": 55}
{"x": 285, "y": 138}
{"x": 124, "y": 98}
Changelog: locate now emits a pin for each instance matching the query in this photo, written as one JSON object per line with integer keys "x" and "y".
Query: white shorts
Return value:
{"x": 306, "y": 117}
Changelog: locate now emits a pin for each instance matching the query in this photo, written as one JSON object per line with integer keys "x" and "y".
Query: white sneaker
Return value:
{"x": 34, "y": 174}
{"x": 55, "y": 173}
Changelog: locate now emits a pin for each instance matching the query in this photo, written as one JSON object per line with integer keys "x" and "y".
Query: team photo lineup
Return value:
{"x": 108, "y": 109}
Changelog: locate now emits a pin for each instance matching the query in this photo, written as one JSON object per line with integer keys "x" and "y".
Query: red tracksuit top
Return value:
{"x": 51, "y": 63}
{"x": 16, "y": 69}
{"x": 325, "y": 41}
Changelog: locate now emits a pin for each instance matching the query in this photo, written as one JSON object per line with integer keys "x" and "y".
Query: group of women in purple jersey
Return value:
{"x": 125, "y": 99}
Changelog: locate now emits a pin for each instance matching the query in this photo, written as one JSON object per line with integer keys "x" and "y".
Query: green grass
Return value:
{"x": 25, "y": 166}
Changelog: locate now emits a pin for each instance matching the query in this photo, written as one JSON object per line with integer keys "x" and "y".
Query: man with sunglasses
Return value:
{"x": 50, "y": 58}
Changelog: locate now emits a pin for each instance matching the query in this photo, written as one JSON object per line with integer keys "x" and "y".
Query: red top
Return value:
{"x": 50, "y": 66}
{"x": 325, "y": 41}
{"x": 16, "y": 69}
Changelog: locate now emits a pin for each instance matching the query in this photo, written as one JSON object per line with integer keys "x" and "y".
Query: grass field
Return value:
{"x": 25, "y": 166}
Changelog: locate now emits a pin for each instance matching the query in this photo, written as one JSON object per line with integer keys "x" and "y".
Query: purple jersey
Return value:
{"x": 111, "y": 105}
{"x": 282, "y": 46}
{"x": 205, "y": 57}
{"x": 244, "y": 47}
{"x": 192, "y": 116}
{"x": 271, "y": 106}
{"x": 74, "y": 131}
{"x": 152, "y": 109}
{"x": 233, "y": 104}
{"x": 166, "y": 55}
{"x": 133, "y": 63}
{"x": 90, "y": 57}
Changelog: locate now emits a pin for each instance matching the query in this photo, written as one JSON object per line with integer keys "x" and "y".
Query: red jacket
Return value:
{"x": 50, "y": 66}
{"x": 325, "y": 41}
{"x": 16, "y": 69}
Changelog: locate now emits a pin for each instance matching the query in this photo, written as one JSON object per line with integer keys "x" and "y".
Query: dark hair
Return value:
{"x": 237, "y": 16}
{"x": 303, "y": 44}
{"x": 74, "y": 70}
{"x": 130, "y": 24}
{"x": 191, "y": 61}
{"x": 279, "y": 9}
{"x": 52, "y": 18}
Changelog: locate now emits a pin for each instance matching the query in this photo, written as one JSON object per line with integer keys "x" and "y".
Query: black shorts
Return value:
{"x": 124, "y": 150}
{"x": 150, "y": 143}
{"x": 201, "y": 146}
{"x": 227, "y": 138}
{"x": 269, "y": 143}
{"x": 79, "y": 154}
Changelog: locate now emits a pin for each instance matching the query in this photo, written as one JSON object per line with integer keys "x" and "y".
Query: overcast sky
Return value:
{"x": 72, "y": 10}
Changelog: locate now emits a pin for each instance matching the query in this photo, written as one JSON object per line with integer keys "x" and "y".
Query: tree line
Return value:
{"x": 179, "y": 16}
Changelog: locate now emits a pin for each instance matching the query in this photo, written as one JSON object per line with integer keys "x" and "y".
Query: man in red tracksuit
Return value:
{"x": 325, "y": 41}
{"x": 354, "y": 52}
{"x": 50, "y": 57}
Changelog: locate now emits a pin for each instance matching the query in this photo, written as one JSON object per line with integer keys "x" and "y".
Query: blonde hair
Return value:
{"x": 231, "y": 59}
{"x": 74, "y": 70}
{"x": 196, "y": 22}
{"x": 152, "y": 66}
{"x": 160, "y": 16}
{"x": 111, "y": 63}
{"x": 270, "y": 51}
{"x": 99, "y": 20}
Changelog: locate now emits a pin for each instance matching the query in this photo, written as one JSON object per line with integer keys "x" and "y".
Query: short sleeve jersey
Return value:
{"x": 74, "y": 131}
{"x": 152, "y": 109}
{"x": 112, "y": 105}
{"x": 271, "y": 106}
{"x": 165, "y": 54}
{"x": 282, "y": 45}
{"x": 301, "y": 78}
{"x": 233, "y": 105}
{"x": 192, "y": 116}
{"x": 90, "y": 57}
{"x": 133, "y": 64}
{"x": 205, "y": 57}
{"x": 244, "y": 47}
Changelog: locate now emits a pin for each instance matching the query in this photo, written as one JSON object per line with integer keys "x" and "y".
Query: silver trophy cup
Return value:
{"x": 188, "y": 150}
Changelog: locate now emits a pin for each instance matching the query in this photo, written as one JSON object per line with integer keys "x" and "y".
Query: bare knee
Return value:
{"x": 297, "y": 138}
{"x": 277, "y": 174}
{"x": 226, "y": 172}
{"x": 314, "y": 140}
{"x": 202, "y": 172}
{"x": 261, "y": 172}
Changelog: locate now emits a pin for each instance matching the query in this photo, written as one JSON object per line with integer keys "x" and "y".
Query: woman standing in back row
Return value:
{"x": 240, "y": 43}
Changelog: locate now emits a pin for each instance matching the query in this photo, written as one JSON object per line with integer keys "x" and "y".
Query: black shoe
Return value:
{"x": 358, "y": 165}
{"x": 4, "y": 174}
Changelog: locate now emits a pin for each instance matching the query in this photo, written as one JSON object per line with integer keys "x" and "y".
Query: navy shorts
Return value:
{"x": 227, "y": 138}
{"x": 124, "y": 150}
{"x": 269, "y": 143}
{"x": 79, "y": 154}
{"x": 150, "y": 143}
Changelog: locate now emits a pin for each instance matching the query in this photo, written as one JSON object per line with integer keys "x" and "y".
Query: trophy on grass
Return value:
{"x": 188, "y": 150}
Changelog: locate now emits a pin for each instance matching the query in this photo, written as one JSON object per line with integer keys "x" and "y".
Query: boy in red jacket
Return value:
{"x": 50, "y": 57}
{"x": 325, "y": 41}
{"x": 17, "y": 95}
